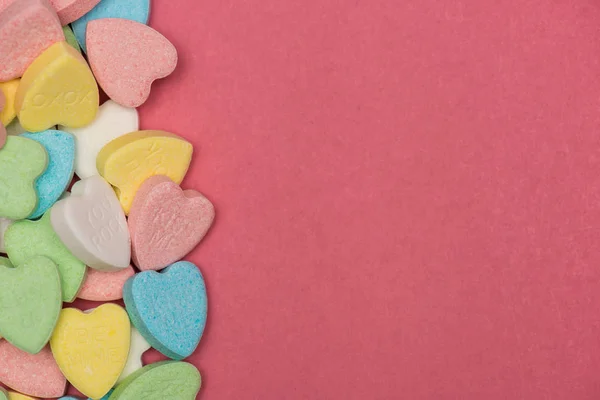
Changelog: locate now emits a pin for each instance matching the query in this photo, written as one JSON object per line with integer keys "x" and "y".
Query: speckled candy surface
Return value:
{"x": 70, "y": 10}
{"x": 18, "y": 367}
{"x": 126, "y": 57}
{"x": 104, "y": 286}
{"x": 27, "y": 28}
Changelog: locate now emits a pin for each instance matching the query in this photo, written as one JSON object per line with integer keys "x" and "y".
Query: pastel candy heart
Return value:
{"x": 129, "y": 160}
{"x": 58, "y": 88}
{"x": 22, "y": 160}
{"x": 18, "y": 396}
{"x": 3, "y": 394}
{"x": 75, "y": 398}
{"x": 70, "y": 38}
{"x": 30, "y": 301}
{"x": 91, "y": 348}
{"x": 113, "y": 120}
{"x": 9, "y": 90}
{"x": 138, "y": 347}
{"x": 71, "y": 10}
{"x": 60, "y": 147}
{"x": 27, "y": 28}
{"x": 104, "y": 286}
{"x": 166, "y": 223}
{"x": 168, "y": 308}
{"x": 18, "y": 367}
{"x": 135, "y": 10}
{"x": 171, "y": 380}
{"x": 92, "y": 225}
{"x": 126, "y": 57}
{"x": 26, "y": 239}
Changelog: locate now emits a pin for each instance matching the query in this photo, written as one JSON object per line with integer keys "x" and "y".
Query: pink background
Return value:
{"x": 408, "y": 194}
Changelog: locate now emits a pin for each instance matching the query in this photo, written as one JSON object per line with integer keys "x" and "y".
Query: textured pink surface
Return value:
{"x": 34, "y": 375}
{"x": 166, "y": 222}
{"x": 71, "y": 10}
{"x": 104, "y": 286}
{"x": 27, "y": 28}
{"x": 126, "y": 57}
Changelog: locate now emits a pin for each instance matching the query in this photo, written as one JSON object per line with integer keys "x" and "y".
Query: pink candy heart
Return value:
{"x": 31, "y": 374}
{"x": 166, "y": 223}
{"x": 71, "y": 10}
{"x": 104, "y": 286}
{"x": 126, "y": 57}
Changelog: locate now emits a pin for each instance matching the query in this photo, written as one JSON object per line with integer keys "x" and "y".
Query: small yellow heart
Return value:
{"x": 91, "y": 348}
{"x": 129, "y": 160}
{"x": 58, "y": 88}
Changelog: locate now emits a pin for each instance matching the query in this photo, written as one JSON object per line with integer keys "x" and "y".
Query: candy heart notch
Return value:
{"x": 58, "y": 88}
{"x": 166, "y": 223}
{"x": 126, "y": 57}
{"x": 30, "y": 301}
{"x": 91, "y": 348}
{"x": 18, "y": 367}
{"x": 129, "y": 160}
{"x": 22, "y": 160}
{"x": 168, "y": 308}
{"x": 92, "y": 225}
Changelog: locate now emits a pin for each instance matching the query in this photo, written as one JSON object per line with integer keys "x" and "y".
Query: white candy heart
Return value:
{"x": 112, "y": 121}
{"x": 92, "y": 225}
{"x": 138, "y": 346}
{"x": 4, "y": 223}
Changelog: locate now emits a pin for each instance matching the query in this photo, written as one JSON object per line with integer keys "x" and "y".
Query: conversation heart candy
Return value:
{"x": 57, "y": 88}
{"x": 104, "y": 286}
{"x": 168, "y": 308}
{"x": 60, "y": 147}
{"x": 166, "y": 223}
{"x": 129, "y": 160}
{"x": 70, "y": 38}
{"x": 4, "y": 223}
{"x": 113, "y": 120}
{"x": 3, "y": 394}
{"x": 22, "y": 160}
{"x": 173, "y": 380}
{"x": 9, "y": 90}
{"x": 30, "y": 300}
{"x": 26, "y": 239}
{"x": 75, "y": 398}
{"x": 27, "y": 28}
{"x": 18, "y": 367}
{"x": 92, "y": 225}
{"x": 91, "y": 348}
{"x": 137, "y": 348}
{"x": 70, "y": 10}
{"x": 18, "y": 396}
{"x": 126, "y": 57}
{"x": 135, "y": 10}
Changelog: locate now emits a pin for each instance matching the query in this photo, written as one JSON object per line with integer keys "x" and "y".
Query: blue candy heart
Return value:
{"x": 168, "y": 308}
{"x": 60, "y": 147}
{"x": 75, "y": 398}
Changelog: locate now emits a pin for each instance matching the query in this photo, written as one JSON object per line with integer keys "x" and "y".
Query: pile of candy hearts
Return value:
{"x": 121, "y": 230}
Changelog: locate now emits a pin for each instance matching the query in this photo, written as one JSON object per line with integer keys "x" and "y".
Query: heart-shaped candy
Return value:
{"x": 126, "y": 57}
{"x": 27, "y": 28}
{"x": 22, "y": 160}
{"x": 104, "y": 286}
{"x": 92, "y": 225}
{"x": 30, "y": 301}
{"x": 71, "y": 10}
{"x": 171, "y": 380}
{"x": 129, "y": 160}
{"x": 18, "y": 396}
{"x": 58, "y": 88}
{"x": 9, "y": 89}
{"x": 18, "y": 367}
{"x": 3, "y": 394}
{"x": 91, "y": 348}
{"x": 168, "y": 308}
{"x": 26, "y": 239}
{"x": 166, "y": 223}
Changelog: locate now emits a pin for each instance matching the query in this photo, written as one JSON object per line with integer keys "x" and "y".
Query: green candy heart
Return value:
{"x": 173, "y": 380}
{"x": 3, "y": 394}
{"x": 30, "y": 302}
{"x": 22, "y": 160}
{"x": 26, "y": 239}
{"x": 70, "y": 37}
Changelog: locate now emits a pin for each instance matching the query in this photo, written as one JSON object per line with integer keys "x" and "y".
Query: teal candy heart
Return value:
{"x": 60, "y": 147}
{"x": 168, "y": 308}
{"x": 75, "y": 398}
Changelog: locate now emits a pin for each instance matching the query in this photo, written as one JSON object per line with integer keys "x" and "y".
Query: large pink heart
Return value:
{"x": 126, "y": 57}
{"x": 166, "y": 223}
{"x": 31, "y": 374}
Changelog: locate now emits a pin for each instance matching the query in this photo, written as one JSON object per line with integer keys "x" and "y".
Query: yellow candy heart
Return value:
{"x": 58, "y": 88}
{"x": 18, "y": 396}
{"x": 9, "y": 89}
{"x": 129, "y": 160}
{"x": 91, "y": 348}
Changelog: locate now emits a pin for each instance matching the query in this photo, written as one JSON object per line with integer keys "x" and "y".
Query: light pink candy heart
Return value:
{"x": 126, "y": 57}
{"x": 71, "y": 10}
{"x": 31, "y": 374}
{"x": 166, "y": 223}
{"x": 104, "y": 286}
